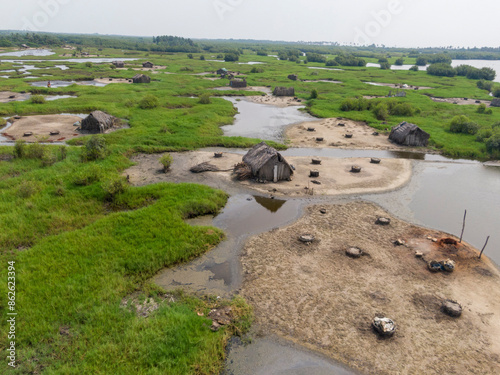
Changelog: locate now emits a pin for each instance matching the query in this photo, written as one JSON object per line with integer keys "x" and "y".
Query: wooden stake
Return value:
{"x": 484, "y": 247}
{"x": 463, "y": 227}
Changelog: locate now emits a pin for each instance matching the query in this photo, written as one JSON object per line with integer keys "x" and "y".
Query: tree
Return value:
{"x": 399, "y": 62}
{"x": 443, "y": 70}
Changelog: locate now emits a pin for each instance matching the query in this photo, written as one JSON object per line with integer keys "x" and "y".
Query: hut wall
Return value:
{"x": 267, "y": 171}
{"x": 141, "y": 78}
{"x": 238, "y": 83}
{"x": 409, "y": 135}
{"x": 147, "y": 65}
{"x": 284, "y": 91}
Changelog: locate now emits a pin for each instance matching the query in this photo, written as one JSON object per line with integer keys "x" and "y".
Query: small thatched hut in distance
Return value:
{"x": 267, "y": 164}
{"x": 98, "y": 122}
{"x": 284, "y": 91}
{"x": 141, "y": 78}
{"x": 293, "y": 77}
{"x": 222, "y": 72}
{"x": 118, "y": 64}
{"x": 147, "y": 64}
{"x": 495, "y": 103}
{"x": 236, "y": 83}
{"x": 409, "y": 135}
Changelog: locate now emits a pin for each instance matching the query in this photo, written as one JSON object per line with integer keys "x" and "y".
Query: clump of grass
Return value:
{"x": 38, "y": 99}
{"x": 114, "y": 186}
{"x": 88, "y": 176}
{"x": 166, "y": 160}
{"x": 149, "y": 102}
{"x": 204, "y": 99}
{"x": 27, "y": 189}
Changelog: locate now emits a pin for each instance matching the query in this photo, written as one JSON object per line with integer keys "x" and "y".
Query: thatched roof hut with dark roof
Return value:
{"x": 409, "y": 135}
{"x": 141, "y": 78}
{"x": 495, "y": 103}
{"x": 98, "y": 122}
{"x": 118, "y": 64}
{"x": 284, "y": 91}
{"x": 237, "y": 83}
{"x": 267, "y": 164}
{"x": 293, "y": 77}
{"x": 147, "y": 64}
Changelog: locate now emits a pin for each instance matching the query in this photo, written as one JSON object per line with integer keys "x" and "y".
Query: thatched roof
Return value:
{"x": 141, "y": 78}
{"x": 495, "y": 103}
{"x": 260, "y": 154}
{"x": 98, "y": 122}
{"x": 284, "y": 91}
{"x": 409, "y": 135}
{"x": 147, "y": 64}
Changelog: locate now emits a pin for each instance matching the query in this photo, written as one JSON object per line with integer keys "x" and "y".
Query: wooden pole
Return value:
{"x": 463, "y": 227}
{"x": 486, "y": 243}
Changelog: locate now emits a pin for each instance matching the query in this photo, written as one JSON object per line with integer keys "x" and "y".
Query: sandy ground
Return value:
{"x": 279, "y": 101}
{"x": 315, "y": 295}
{"x": 335, "y": 176}
{"x": 398, "y": 86}
{"x": 4, "y": 96}
{"x": 113, "y": 80}
{"x": 264, "y": 89}
{"x": 461, "y": 101}
{"x": 41, "y": 126}
{"x": 334, "y": 136}
{"x": 154, "y": 68}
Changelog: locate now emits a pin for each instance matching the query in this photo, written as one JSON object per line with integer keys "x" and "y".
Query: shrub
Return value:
{"x": 112, "y": 67}
{"x": 354, "y": 104}
{"x": 95, "y": 148}
{"x": 190, "y": 55}
{"x": 204, "y": 99}
{"x": 256, "y": 70}
{"x": 35, "y": 151}
{"x": 381, "y": 111}
{"x": 48, "y": 158}
{"x": 440, "y": 69}
{"x": 231, "y": 57}
{"x": 38, "y": 99}
{"x": 220, "y": 56}
{"x": 261, "y": 53}
{"x": 332, "y": 63}
{"x": 421, "y": 61}
{"x": 315, "y": 57}
{"x": 484, "y": 134}
{"x": 27, "y": 189}
{"x": 186, "y": 69}
{"x": 496, "y": 92}
{"x": 314, "y": 94}
{"x": 128, "y": 103}
{"x": 399, "y": 61}
{"x": 202, "y": 57}
{"x": 63, "y": 152}
{"x": 403, "y": 109}
{"x": 481, "y": 108}
{"x": 462, "y": 124}
{"x": 414, "y": 68}
{"x": 166, "y": 160}
{"x": 88, "y": 64}
{"x": 20, "y": 149}
{"x": 350, "y": 60}
{"x": 385, "y": 66}
{"x": 485, "y": 85}
{"x": 149, "y": 102}
{"x": 114, "y": 186}
{"x": 493, "y": 142}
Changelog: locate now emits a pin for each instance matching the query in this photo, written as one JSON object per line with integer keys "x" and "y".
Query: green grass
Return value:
{"x": 79, "y": 253}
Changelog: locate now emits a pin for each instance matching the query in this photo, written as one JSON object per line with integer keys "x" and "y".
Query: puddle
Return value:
{"x": 251, "y": 63}
{"x": 263, "y": 121}
{"x": 216, "y": 60}
{"x": 219, "y": 272}
{"x": 273, "y": 356}
{"x": 56, "y": 97}
{"x": 57, "y": 84}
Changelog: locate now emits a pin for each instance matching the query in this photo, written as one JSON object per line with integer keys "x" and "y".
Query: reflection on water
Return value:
{"x": 29, "y": 52}
{"x": 272, "y": 205}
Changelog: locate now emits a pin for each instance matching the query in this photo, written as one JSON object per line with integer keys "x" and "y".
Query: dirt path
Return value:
{"x": 335, "y": 176}
{"x": 461, "y": 101}
{"x": 9, "y": 96}
{"x": 317, "y": 296}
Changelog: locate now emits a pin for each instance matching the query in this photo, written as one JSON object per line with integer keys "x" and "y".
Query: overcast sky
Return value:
{"x": 407, "y": 23}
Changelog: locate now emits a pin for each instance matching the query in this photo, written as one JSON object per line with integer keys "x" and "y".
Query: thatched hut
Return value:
{"x": 141, "y": 78}
{"x": 267, "y": 164}
{"x": 118, "y": 64}
{"x": 293, "y": 77}
{"x": 98, "y": 122}
{"x": 284, "y": 91}
{"x": 222, "y": 72}
{"x": 236, "y": 83}
{"x": 147, "y": 64}
{"x": 409, "y": 135}
{"x": 495, "y": 103}
{"x": 25, "y": 46}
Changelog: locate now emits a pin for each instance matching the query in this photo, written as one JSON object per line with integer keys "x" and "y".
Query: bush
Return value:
{"x": 27, "y": 189}
{"x": 38, "y": 99}
{"x": 20, "y": 149}
{"x": 462, "y": 124}
{"x": 484, "y": 134}
{"x": 202, "y": 57}
{"x": 314, "y": 94}
{"x": 186, "y": 69}
{"x": 220, "y": 56}
{"x": 414, "y": 68}
{"x": 399, "y": 62}
{"x": 166, "y": 160}
{"x": 331, "y": 63}
{"x": 493, "y": 142}
{"x": 421, "y": 61}
{"x": 231, "y": 57}
{"x": 350, "y": 60}
{"x": 485, "y": 85}
{"x": 63, "y": 152}
{"x": 481, "y": 108}
{"x": 496, "y": 92}
{"x": 256, "y": 70}
{"x": 442, "y": 70}
{"x": 48, "y": 158}
{"x": 316, "y": 57}
{"x": 88, "y": 64}
{"x": 385, "y": 66}
{"x": 354, "y": 104}
{"x": 35, "y": 151}
{"x": 381, "y": 111}
{"x": 261, "y": 53}
{"x": 112, "y": 67}
{"x": 114, "y": 186}
{"x": 403, "y": 109}
{"x": 95, "y": 148}
{"x": 190, "y": 55}
{"x": 149, "y": 102}
{"x": 204, "y": 99}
